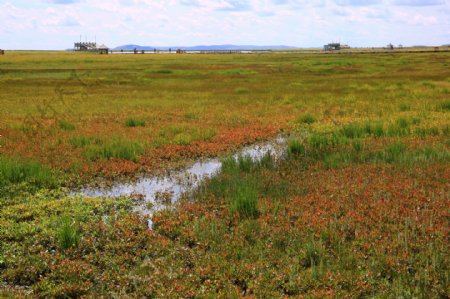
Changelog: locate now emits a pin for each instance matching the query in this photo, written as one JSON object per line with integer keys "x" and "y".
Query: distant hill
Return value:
{"x": 204, "y": 48}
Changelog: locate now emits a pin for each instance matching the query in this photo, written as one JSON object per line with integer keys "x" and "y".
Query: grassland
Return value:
{"x": 358, "y": 207}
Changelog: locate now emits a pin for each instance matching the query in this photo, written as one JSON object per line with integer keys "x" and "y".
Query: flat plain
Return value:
{"x": 358, "y": 207}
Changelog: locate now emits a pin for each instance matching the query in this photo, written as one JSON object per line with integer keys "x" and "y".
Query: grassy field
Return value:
{"x": 359, "y": 207}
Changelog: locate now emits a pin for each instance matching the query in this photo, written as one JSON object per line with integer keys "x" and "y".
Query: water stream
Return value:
{"x": 160, "y": 191}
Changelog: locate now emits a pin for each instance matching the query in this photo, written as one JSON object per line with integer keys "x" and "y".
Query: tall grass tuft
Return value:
{"x": 119, "y": 149}
{"x": 13, "y": 171}
{"x": 246, "y": 163}
{"x": 444, "y": 106}
{"x": 68, "y": 235}
{"x": 353, "y": 130}
{"x": 375, "y": 129}
{"x": 319, "y": 141}
{"x": 404, "y": 107}
{"x": 306, "y": 119}
{"x": 394, "y": 151}
{"x": 295, "y": 147}
{"x": 314, "y": 254}
{"x": 229, "y": 166}
{"x": 244, "y": 200}
{"x": 66, "y": 126}
{"x": 80, "y": 141}
{"x": 132, "y": 122}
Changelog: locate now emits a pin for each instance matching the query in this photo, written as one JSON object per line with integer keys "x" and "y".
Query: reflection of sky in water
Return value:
{"x": 184, "y": 180}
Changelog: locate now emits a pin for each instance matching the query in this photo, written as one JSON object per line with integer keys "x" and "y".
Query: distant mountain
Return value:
{"x": 205, "y": 48}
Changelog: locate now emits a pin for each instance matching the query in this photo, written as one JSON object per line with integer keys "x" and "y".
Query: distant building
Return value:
{"x": 87, "y": 46}
{"x": 332, "y": 47}
{"x": 91, "y": 47}
{"x": 103, "y": 49}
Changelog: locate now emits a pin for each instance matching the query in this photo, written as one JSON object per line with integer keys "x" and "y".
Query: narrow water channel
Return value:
{"x": 160, "y": 191}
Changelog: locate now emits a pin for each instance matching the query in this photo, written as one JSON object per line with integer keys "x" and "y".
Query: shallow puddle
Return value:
{"x": 161, "y": 191}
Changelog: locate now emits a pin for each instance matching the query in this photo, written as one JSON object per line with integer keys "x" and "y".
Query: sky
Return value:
{"x": 57, "y": 24}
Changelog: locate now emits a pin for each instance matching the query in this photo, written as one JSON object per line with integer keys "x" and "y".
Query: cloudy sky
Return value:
{"x": 56, "y": 24}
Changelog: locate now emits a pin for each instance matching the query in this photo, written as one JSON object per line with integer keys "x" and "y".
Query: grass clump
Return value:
{"x": 80, "y": 141}
{"x": 375, "y": 129}
{"x": 319, "y": 141}
{"x": 66, "y": 126}
{"x": 161, "y": 71}
{"x": 68, "y": 234}
{"x": 119, "y": 149}
{"x": 13, "y": 171}
{"x": 133, "y": 122}
{"x": 444, "y": 106}
{"x": 229, "y": 166}
{"x": 357, "y": 146}
{"x": 295, "y": 147}
{"x": 244, "y": 200}
{"x": 424, "y": 132}
{"x": 394, "y": 151}
{"x": 182, "y": 139}
{"x": 401, "y": 127}
{"x": 336, "y": 160}
{"x": 353, "y": 130}
{"x": 242, "y": 90}
{"x": 314, "y": 254}
{"x": 306, "y": 119}
{"x": 245, "y": 163}
{"x": 404, "y": 107}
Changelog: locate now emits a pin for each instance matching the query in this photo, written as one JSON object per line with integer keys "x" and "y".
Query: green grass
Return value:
{"x": 68, "y": 234}
{"x": 66, "y": 126}
{"x": 295, "y": 147}
{"x": 245, "y": 163}
{"x": 161, "y": 71}
{"x": 394, "y": 151}
{"x": 319, "y": 141}
{"x": 242, "y": 90}
{"x": 80, "y": 141}
{"x": 404, "y": 107}
{"x": 133, "y": 122}
{"x": 444, "y": 106}
{"x": 119, "y": 149}
{"x": 306, "y": 119}
{"x": 184, "y": 135}
{"x": 244, "y": 200}
{"x": 357, "y": 145}
{"x": 354, "y": 130}
{"x": 15, "y": 171}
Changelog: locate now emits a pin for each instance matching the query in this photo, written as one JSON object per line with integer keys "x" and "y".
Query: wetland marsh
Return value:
{"x": 357, "y": 206}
